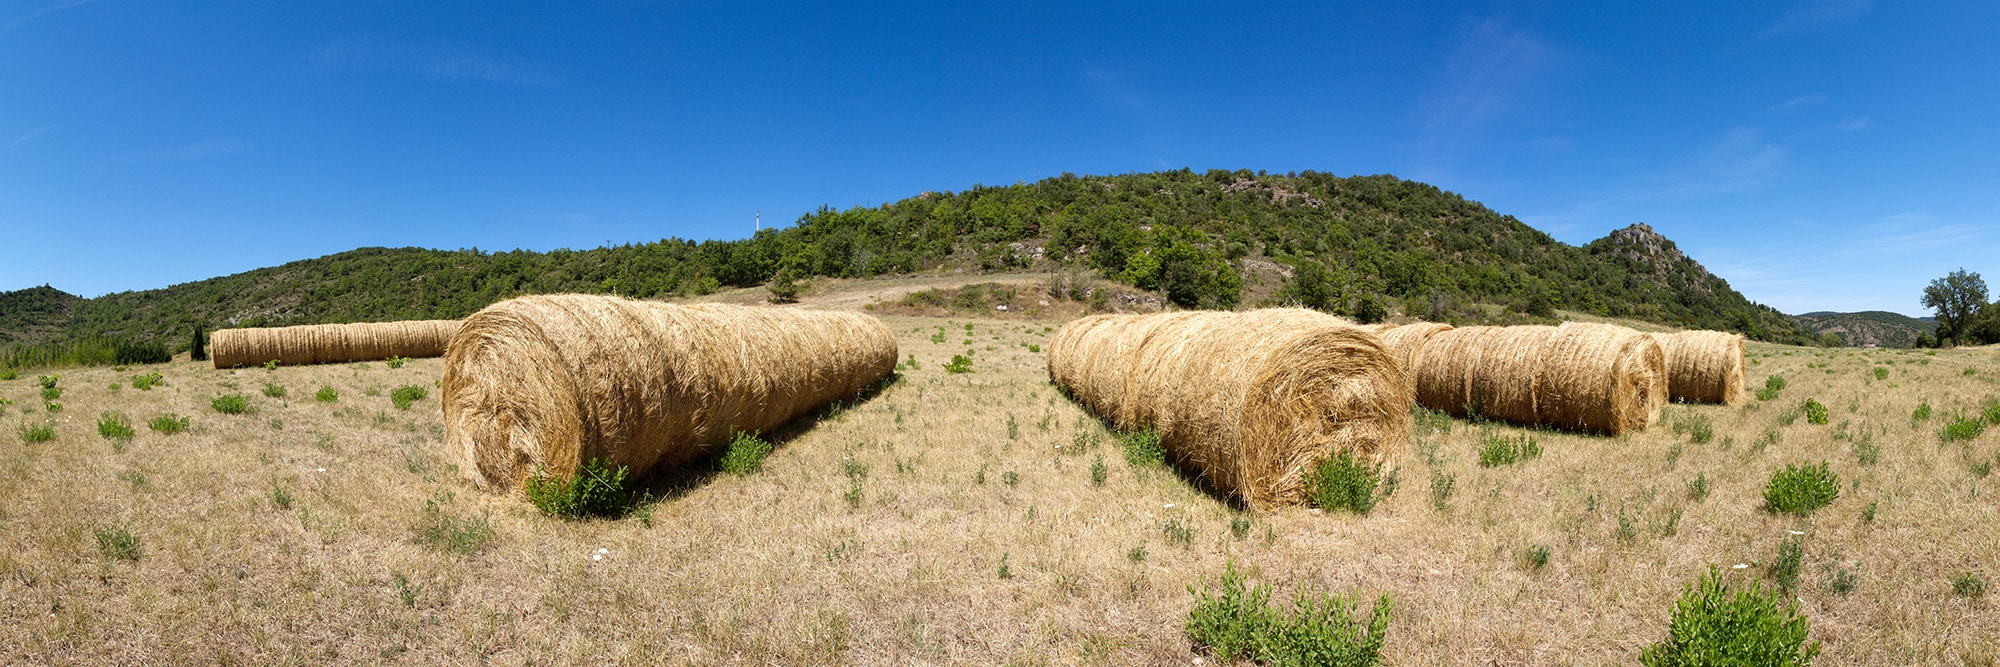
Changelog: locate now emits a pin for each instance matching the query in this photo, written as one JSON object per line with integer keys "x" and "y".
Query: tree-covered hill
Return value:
{"x": 1869, "y": 327}
{"x": 1349, "y": 245}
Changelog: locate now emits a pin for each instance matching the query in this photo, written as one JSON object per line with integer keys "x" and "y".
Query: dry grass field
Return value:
{"x": 953, "y": 519}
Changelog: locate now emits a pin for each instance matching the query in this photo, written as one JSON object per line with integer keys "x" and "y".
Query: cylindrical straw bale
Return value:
{"x": 1505, "y": 381}
{"x": 1601, "y": 377}
{"x": 1446, "y": 364}
{"x": 1405, "y": 341}
{"x": 330, "y": 343}
{"x": 1248, "y": 401}
{"x": 547, "y": 383}
{"x": 1703, "y": 366}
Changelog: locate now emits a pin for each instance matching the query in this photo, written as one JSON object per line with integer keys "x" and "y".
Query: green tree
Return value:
{"x": 1958, "y": 297}
{"x": 198, "y": 348}
{"x": 1312, "y": 286}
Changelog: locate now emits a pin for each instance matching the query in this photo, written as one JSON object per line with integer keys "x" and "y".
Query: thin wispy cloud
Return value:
{"x": 194, "y": 151}
{"x": 1796, "y": 102}
{"x": 1496, "y": 72}
{"x": 1740, "y": 161}
{"x": 30, "y": 136}
{"x": 1810, "y": 15}
{"x": 1849, "y": 124}
{"x": 437, "y": 60}
{"x": 30, "y": 16}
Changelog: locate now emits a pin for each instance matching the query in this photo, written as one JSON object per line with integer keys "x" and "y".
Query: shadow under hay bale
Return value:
{"x": 1590, "y": 377}
{"x": 1248, "y": 401}
{"x": 549, "y": 382}
{"x": 1703, "y": 366}
{"x": 330, "y": 343}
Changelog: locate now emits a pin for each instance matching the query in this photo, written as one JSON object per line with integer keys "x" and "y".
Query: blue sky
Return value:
{"x": 1823, "y": 155}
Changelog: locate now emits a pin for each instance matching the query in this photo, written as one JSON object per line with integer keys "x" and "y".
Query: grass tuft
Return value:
{"x": 114, "y": 425}
{"x": 596, "y": 490}
{"x": 1710, "y": 626}
{"x": 407, "y": 394}
{"x": 1500, "y": 450}
{"x": 168, "y": 424}
{"x": 744, "y": 454}
{"x": 1801, "y": 489}
{"x": 1239, "y": 623}
{"x": 230, "y": 404}
{"x": 1343, "y": 482}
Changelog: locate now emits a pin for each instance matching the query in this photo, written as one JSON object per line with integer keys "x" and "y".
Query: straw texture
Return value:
{"x": 1591, "y": 377}
{"x": 1248, "y": 401}
{"x": 549, "y": 382}
{"x": 330, "y": 343}
{"x": 1703, "y": 366}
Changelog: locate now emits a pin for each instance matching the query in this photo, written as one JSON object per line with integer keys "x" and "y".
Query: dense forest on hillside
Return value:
{"x": 1360, "y": 242}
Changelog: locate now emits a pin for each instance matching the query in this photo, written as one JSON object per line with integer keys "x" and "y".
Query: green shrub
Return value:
{"x": 1442, "y": 485}
{"x": 1772, "y": 385}
{"x": 1098, "y": 472}
{"x": 51, "y": 393}
{"x": 147, "y": 382}
{"x": 1922, "y": 412}
{"x": 450, "y": 533}
{"x": 1801, "y": 489}
{"x": 1142, "y": 448}
{"x": 1990, "y": 411}
{"x": 596, "y": 490}
{"x": 230, "y": 404}
{"x": 959, "y": 364}
{"x": 274, "y": 390}
{"x": 1881, "y": 373}
{"x": 407, "y": 394}
{"x": 37, "y": 433}
{"x": 168, "y": 424}
{"x": 1697, "y": 488}
{"x": 1712, "y": 627}
{"x": 326, "y": 394}
{"x": 1535, "y": 557}
{"x": 396, "y": 362}
{"x": 1785, "y": 568}
{"x": 8, "y": 373}
{"x": 1239, "y": 623}
{"x": 47, "y": 381}
{"x": 1815, "y": 412}
{"x": 1968, "y": 585}
{"x": 1344, "y": 482}
{"x": 271, "y": 365}
{"x": 1500, "y": 450}
{"x": 744, "y": 454}
{"x": 117, "y": 543}
{"x": 114, "y": 425}
{"x": 1961, "y": 428}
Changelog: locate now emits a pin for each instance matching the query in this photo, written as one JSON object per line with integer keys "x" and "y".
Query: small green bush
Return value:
{"x": 1344, "y": 482}
{"x": 114, "y": 425}
{"x": 1990, "y": 411}
{"x": 1785, "y": 568}
{"x": 959, "y": 364}
{"x": 744, "y": 454}
{"x": 1500, "y": 450}
{"x": 117, "y": 543}
{"x": 37, "y": 434}
{"x": 147, "y": 382}
{"x": 1922, "y": 412}
{"x": 1535, "y": 557}
{"x": 1815, "y": 412}
{"x": 51, "y": 393}
{"x": 1968, "y": 585}
{"x": 274, "y": 390}
{"x": 1142, "y": 448}
{"x": 1881, "y": 373}
{"x": 1098, "y": 472}
{"x": 1238, "y": 622}
{"x": 1801, "y": 489}
{"x": 230, "y": 404}
{"x": 47, "y": 381}
{"x": 596, "y": 490}
{"x": 407, "y": 394}
{"x": 8, "y": 373}
{"x": 326, "y": 394}
{"x": 1712, "y": 627}
{"x": 450, "y": 533}
{"x": 1961, "y": 428}
{"x": 1697, "y": 488}
{"x": 1772, "y": 385}
{"x": 271, "y": 365}
{"x": 396, "y": 362}
{"x": 168, "y": 424}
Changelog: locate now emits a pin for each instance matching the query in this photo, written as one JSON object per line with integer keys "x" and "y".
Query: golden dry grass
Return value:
{"x": 778, "y": 568}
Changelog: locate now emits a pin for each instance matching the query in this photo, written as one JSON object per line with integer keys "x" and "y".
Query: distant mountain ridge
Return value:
{"x": 1869, "y": 327}
{"x": 1370, "y": 239}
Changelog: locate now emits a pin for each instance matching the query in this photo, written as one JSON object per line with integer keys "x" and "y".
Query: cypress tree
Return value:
{"x": 198, "y": 351}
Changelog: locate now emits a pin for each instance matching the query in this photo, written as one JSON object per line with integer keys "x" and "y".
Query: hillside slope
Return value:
{"x": 1372, "y": 239}
{"x": 1869, "y": 327}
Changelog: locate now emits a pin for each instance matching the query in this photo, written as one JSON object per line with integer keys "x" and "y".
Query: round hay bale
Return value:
{"x": 1251, "y": 401}
{"x": 329, "y": 343}
{"x": 1505, "y": 378}
{"x": 1601, "y": 377}
{"x": 1446, "y": 364}
{"x": 550, "y": 382}
{"x": 1403, "y": 342}
{"x": 1703, "y": 366}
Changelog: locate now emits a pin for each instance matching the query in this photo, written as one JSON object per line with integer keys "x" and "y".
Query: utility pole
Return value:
{"x": 760, "y": 221}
